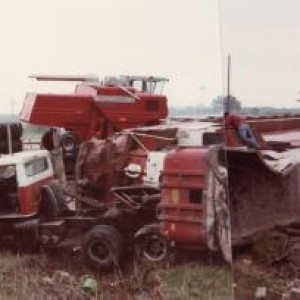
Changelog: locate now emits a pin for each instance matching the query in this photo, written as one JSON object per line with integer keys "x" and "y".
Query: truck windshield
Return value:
{"x": 155, "y": 87}
{"x": 148, "y": 86}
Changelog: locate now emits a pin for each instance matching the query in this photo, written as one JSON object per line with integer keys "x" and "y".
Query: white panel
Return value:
{"x": 115, "y": 99}
{"x": 190, "y": 137}
{"x": 154, "y": 166}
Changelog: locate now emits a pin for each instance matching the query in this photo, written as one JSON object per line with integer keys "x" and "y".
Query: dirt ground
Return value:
{"x": 61, "y": 274}
{"x": 250, "y": 275}
{"x": 273, "y": 261}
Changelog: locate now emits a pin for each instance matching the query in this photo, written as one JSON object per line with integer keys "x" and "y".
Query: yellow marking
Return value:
{"x": 175, "y": 196}
{"x": 173, "y": 226}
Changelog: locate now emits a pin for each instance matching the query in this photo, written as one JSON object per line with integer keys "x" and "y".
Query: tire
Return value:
{"x": 152, "y": 248}
{"x": 69, "y": 143}
{"x": 52, "y": 201}
{"x": 102, "y": 247}
{"x": 70, "y": 147}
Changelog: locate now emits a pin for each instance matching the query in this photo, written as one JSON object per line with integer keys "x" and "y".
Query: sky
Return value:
{"x": 186, "y": 41}
{"x": 175, "y": 39}
{"x": 263, "y": 39}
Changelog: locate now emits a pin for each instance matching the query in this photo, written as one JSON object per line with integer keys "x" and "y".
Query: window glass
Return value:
{"x": 196, "y": 196}
{"x": 158, "y": 87}
{"x": 36, "y": 166}
{"x": 138, "y": 85}
{"x": 7, "y": 171}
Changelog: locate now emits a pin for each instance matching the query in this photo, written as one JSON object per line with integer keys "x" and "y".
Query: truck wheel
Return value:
{"x": 102, "y": 246}
{"x": 152, "y": 247}
{"x": 69, "y": 143}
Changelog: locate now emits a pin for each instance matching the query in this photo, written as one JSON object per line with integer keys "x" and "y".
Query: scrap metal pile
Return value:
{"x": 145, "y": 184}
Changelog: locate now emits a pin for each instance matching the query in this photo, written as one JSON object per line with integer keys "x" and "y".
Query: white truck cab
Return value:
{"x": 21, "y": 176}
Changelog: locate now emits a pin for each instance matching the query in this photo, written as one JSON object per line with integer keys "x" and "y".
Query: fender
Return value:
{"x": 154, "y": 227}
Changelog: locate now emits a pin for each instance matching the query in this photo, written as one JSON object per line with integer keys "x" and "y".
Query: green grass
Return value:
{"x": 33, "y": 277}
{"x": 60, "y": 276}
{"x": 198, "y": 281}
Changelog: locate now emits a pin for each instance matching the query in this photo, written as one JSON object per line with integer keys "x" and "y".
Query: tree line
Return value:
{"x": 224, "y": 103}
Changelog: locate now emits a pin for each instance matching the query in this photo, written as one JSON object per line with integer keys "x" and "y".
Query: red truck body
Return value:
{"x": 182, "y": 210}
{"x": 96, "y": 108}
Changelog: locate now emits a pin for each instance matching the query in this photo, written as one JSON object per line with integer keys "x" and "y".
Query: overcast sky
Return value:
{"x": 263, "y": 37}
{"x": 176, "y": 39}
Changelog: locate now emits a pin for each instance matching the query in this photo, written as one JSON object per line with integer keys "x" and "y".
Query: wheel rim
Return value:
{"x": 100, "y": 251}
{"x": 155, "y": 248}
{"x": 68, "y": 145}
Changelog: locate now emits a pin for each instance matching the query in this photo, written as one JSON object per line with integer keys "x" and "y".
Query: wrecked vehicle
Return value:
{"x": 176, "y": 161}
{"x": 102, "y": 107}
{"x": 96, "y": 108}
{"x": 22, "y": 176}
{"x": 151, "y": 188}
{"x": 184, "y": 184}
{"x": 34, "y": 210}
{"x": 190, "y": 185}
{"x": 219, "y": 193}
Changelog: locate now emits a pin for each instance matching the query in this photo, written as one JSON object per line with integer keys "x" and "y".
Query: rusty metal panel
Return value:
{"x": 259, "y": 197}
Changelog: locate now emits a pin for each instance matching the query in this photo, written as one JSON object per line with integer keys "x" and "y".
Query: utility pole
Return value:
{"x": 228, "y": 83}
